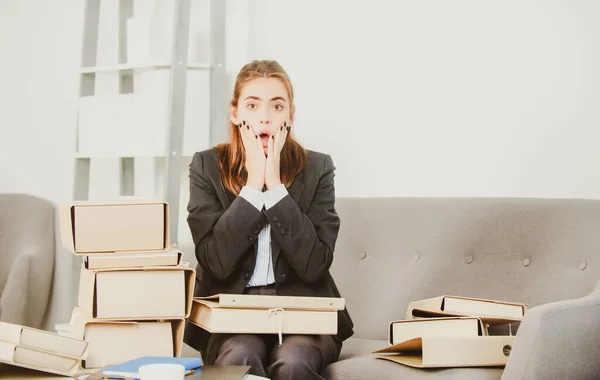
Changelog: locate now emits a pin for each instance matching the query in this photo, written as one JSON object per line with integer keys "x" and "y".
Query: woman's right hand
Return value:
{"x": 255, "y": 156}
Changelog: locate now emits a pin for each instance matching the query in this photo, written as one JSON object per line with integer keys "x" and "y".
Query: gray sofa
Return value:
{"x": 544, "y": 252}
{"x": 27, "y": 249}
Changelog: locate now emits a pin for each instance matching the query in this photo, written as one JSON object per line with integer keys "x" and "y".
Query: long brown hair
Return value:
{"x": 232, "y": 154}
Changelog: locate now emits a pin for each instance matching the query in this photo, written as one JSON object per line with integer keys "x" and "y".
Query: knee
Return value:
{"x": 295, "y": 359}
{"x": 242, "y": 350}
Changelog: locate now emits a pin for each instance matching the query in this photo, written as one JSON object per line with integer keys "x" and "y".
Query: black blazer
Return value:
{"x": 225, "y": 228}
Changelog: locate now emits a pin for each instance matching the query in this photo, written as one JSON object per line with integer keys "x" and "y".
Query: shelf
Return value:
{"x": 199, "y": 66}
{"x": 127, "y": 68}
{"x": 115, "y": 155}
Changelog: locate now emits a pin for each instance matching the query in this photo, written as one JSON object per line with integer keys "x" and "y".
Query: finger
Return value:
{"x": 254, "y": 137}
{"x": 286, "y": 129}
{"x": 273, "y": 140}
{"x": 281, "y": 136}
{"x": 271, "y": 145}
{"x": 239, "y": 127}
{"x": 248, "y": 136}
{"x": 242, "y": 132}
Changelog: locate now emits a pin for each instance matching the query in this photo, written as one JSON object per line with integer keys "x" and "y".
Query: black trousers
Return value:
{"x": 298, "y": 357}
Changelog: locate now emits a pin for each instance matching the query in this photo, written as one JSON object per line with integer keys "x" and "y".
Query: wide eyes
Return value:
{"x": 253, "y": 106}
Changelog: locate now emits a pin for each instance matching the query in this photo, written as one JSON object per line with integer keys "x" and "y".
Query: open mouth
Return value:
{"x": 265, "y": 139}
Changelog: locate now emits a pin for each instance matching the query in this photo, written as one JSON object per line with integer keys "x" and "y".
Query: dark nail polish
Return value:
{"x": 273, "y": 137}
{"x": 281, "y": 128}
{"x": 247, "y": 126}
{"x": 256, "y": 136}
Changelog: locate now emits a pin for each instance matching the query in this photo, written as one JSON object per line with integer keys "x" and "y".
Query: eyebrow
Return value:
{"x": 259, "y": 99}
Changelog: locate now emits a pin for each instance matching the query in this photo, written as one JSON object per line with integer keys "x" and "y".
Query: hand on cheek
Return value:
{"x": 276, "y": 143}
{"x": 255, "y": 156}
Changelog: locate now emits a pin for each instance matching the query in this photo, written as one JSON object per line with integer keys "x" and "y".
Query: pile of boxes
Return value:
{"x": 134, "y": 290}
{"x": 453, "y": 331}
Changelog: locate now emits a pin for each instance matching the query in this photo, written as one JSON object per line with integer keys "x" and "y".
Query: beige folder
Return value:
{"x": 137, "y": 293}
{"x": 493, "y": 312}
{"x": 252, "y": 301}
{"x": 256, "y": 314}
{"x": 403, "y": 330}
{"x": 170, "y": 257}
{"x": 114, "y": 342}
{"x": 89, "y": 228}
{"x": 38, "y": 360}
{"x": 443, "y": 352}
{"x": 43, "y": 340}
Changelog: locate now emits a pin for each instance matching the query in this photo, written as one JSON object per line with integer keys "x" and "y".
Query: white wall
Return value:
{"x": 38, "y": 73}
{"x": 444, "y": 98}
{"x": 40, "y": 45}
{"x": 411, "y": 98}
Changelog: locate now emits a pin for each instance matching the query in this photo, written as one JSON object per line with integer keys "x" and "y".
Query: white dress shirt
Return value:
{"x": 263, "y": 271}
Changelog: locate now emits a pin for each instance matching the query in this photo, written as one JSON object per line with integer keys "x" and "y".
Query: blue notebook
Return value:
{"x": 130, "y": 369}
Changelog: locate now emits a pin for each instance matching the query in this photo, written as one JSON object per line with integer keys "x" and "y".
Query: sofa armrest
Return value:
{"x": 14, "y": 297}
{"x": 559, "y": 340}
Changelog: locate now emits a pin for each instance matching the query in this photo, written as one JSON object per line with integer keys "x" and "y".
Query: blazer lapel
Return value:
{"x": 295, "y": 191}
{"x": 275, "y": 251}
{"x": 228, "y": 199}
{"x": 296, "y": 188}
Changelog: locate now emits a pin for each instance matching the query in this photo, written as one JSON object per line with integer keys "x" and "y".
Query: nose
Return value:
{"x": 265, "y": 118}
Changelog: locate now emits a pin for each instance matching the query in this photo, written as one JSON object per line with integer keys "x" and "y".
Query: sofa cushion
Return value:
{"x": 355, "y": 347}
{"x": 357, "y": 362}
{"x": 367, "y": 367}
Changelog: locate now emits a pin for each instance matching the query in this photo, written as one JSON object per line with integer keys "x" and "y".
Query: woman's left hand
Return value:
{"x": 276, "y": 143}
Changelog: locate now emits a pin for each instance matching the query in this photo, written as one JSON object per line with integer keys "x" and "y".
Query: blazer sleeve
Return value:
{"x": 308, "y": 240}
{"x": 221, "y": 237}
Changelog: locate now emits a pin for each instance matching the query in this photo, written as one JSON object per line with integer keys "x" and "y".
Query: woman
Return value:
{"x": 262, "y": 216}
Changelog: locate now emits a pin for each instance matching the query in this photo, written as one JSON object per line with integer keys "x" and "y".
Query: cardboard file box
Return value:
{"x": 41, "y": 340}
{"x": 91, "y": 228}
{"x": 256, "y": 314}
{"x": 120, "y": 341}
{"x": 31, "y": 358}
{"x": 137, "y": 293}
{"x": 443, "y": 352}
{"x": 403, "y": 330}
{"x": 169, "y": 257}
{"x": 493, "y": 312}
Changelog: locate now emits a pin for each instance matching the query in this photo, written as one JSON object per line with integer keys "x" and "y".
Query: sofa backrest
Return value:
{"x": 26, "y": 227}
{"x": 27, "y": 257}
{"x": 391, "y": 251}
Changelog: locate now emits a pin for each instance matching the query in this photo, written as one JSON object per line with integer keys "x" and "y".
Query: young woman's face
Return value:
{"x": 263, "y": 103}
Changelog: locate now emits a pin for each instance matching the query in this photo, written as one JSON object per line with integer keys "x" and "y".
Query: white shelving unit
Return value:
{"x": 127, "y": 68}
{"x": 147, "y": 98}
